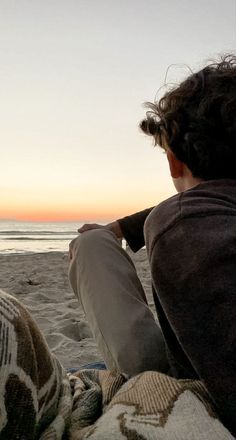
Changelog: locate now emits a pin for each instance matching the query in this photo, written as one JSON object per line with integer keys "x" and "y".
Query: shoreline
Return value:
{"x": 40, "y": 281}
{"x": 9, "y": 254}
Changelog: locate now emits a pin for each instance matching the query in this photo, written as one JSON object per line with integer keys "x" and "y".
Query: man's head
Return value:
{"x": 196, "y": 124}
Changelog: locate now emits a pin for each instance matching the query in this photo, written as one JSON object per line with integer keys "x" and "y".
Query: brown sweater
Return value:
{"x": 191, "y": 246}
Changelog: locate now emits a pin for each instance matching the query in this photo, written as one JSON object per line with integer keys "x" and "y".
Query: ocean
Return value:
{"x": 29, "y": 237}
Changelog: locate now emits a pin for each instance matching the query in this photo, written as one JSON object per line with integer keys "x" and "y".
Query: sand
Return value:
{"x": 40, "y": 281}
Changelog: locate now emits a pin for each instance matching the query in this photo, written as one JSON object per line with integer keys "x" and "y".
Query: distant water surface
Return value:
{"x": 28, "y": 237}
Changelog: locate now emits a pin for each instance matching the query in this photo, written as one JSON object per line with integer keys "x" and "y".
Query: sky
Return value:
{"x": 74, "y": 75}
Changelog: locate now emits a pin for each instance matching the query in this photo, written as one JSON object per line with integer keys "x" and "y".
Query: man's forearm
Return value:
{"x": 115, "y": 227}
{"x": 131, "y": 228}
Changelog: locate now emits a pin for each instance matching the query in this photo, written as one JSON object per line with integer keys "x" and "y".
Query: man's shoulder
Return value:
{"x": 210, "y": 198}
{"x": 162, "y": 217}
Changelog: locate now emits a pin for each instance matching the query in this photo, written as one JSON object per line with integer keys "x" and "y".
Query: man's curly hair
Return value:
{"x": 197, "y": 120}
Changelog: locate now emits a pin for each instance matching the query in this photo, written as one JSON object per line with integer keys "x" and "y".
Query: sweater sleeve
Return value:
{"x": 132, "y": 228}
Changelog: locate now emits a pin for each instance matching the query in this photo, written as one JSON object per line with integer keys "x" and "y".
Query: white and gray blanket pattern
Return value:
{"x": 39, "y": 401}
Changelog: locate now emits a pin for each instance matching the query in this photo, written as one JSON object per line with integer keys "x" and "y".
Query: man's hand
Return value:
{"x": 89, "y": 226}
{"x": 113, "y": 227}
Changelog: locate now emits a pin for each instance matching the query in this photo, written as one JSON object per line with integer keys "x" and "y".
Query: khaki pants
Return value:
{"x": 105, "y": 281}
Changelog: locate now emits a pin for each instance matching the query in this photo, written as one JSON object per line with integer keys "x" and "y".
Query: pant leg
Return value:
{"x": 105, "y": 281}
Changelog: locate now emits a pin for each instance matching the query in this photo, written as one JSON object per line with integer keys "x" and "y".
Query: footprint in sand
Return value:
{"x": 76, "y": 331}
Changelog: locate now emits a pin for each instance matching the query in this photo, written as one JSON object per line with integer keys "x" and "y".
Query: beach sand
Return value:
{"x": 40, "y": 281}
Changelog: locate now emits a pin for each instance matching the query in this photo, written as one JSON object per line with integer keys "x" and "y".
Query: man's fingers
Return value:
{"x": 89, "y": 226}
{"x": 84, "y": 228}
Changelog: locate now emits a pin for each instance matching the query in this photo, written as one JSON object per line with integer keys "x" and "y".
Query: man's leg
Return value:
{"x": 105, "y": 281}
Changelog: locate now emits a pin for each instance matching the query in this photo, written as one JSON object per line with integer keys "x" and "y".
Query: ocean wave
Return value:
{"x": 37, "y": 232}
{"x": 34, "y": 239}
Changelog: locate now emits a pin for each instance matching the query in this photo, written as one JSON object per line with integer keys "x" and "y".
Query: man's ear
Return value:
{"x": 175, "y": 165}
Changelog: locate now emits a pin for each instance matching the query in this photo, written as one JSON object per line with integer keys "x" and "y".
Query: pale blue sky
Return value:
{"x": 74, "y": 75}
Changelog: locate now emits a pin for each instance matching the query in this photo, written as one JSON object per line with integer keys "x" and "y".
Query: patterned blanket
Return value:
{"x": 39, "y": 400}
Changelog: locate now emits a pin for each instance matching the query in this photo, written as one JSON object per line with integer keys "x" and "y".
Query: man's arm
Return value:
{"x": 129, "y": 227}
{"x": 132, "y": 228}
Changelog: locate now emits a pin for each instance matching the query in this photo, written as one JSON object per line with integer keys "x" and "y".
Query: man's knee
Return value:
{"x": 85, "y": 250}
{"x": 89, "y": 240}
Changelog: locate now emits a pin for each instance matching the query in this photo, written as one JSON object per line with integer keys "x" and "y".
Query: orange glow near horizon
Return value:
{"x": 59, "y": 216}
{"x": 33, "y": 213}
{"x": 72, "y": 206}
{"x": 104, "y": 212}
{"x": 54, "y": 215}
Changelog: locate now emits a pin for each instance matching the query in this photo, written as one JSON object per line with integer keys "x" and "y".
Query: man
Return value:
{"x": 191, "y": 246}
